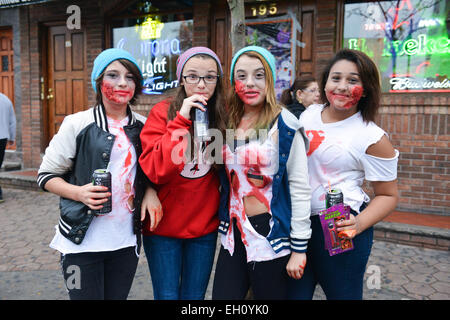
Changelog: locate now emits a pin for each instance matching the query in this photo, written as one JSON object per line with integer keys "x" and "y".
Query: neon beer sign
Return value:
{"x": 408, "y": 40}
{"x": 156, "y": 47}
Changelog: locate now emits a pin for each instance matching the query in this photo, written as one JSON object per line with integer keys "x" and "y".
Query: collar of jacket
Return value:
{"x": 102, "y": 121}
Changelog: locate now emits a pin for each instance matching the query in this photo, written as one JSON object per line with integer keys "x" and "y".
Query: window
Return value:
{"x": 155, "y": 35}
{"x": 407, "y": 39}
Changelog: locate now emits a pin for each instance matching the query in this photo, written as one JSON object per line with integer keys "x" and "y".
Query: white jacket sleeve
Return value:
{"x": 300, "y": 191}
{"x": 59, "y": 155}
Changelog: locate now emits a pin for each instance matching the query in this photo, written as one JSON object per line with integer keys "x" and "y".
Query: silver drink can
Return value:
{"x": 102, "y": 177}
{"x": 334, "y": 197}
{"x": 201, "y": 124}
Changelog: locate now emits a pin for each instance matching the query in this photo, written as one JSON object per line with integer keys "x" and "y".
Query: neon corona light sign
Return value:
{"x": 156, "y": 47}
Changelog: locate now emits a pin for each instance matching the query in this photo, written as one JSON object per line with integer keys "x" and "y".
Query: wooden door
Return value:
{"x": 306, "y": 55}
{"x": 6, "y": 64}
{"x": 65, "y": 92}
{"x": 7, "y": 68}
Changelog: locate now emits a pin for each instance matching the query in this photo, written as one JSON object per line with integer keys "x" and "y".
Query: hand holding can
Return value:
{"x": 102, "y": 177}
{"x": 201, "y": 124}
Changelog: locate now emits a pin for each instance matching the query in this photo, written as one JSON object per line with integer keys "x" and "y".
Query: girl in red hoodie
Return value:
{"x": 180, "y": 249}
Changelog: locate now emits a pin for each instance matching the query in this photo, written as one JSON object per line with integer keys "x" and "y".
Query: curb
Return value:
{"x": 13, "y": 179}
{"x": 413, "y": 235}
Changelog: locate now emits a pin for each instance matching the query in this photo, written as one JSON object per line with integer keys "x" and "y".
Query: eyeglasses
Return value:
{"x": 194, "y": 79}
{"x": 311, "y": 90}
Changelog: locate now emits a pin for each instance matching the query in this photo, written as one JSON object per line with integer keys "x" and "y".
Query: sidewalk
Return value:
{"x": 29, "y": 269}
{"x": 409, "y": 228}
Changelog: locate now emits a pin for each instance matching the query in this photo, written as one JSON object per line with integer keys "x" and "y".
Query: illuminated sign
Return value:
{"x": 156, "y": 47}
{"x": 150, "y": 29}
{"x": 407, "y": 39}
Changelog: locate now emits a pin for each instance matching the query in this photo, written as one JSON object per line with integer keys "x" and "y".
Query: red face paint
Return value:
{"x": 357, "y": 92}
{"x": 350, "y": 101}
{"x": 117, "y": 96}
{"x": 246, "y": 95}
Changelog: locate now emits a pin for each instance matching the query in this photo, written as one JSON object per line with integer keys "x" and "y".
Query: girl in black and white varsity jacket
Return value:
{"x": 102, "y": 250}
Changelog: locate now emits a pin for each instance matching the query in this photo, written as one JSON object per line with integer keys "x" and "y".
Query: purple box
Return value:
{"x": 328, "y": 218}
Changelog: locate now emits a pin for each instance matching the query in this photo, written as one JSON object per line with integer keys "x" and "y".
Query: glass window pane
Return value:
{"x": 407, "y": 39}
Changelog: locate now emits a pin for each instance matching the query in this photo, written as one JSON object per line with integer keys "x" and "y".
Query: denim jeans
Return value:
{"x": 180, "y": 268}
{"x": 341, "y": 276}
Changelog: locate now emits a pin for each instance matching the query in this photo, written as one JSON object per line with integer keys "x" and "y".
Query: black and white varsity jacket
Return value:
{"x": 83, "y": 144}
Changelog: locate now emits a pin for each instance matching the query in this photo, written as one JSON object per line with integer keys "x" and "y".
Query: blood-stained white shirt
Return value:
{"x": 114, "y": 230}
{"x": 254, "y": 158}
{"x": 337, "y": 157}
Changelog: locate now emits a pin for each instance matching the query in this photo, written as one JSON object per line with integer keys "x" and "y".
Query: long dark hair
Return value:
{"x": 370, "y": 78}
{"x": 216, "y": 105}
{"x": 288, "y": 96}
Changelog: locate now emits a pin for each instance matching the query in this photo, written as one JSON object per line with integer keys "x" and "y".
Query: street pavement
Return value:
{"x": 29, "y": 268}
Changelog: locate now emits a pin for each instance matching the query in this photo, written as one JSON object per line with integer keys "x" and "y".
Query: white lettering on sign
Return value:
{"x": 405, "y": 83}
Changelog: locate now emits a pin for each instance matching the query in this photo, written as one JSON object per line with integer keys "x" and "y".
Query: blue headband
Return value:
{"x": 105, "y": 58}
{"x": 263, "y": 52}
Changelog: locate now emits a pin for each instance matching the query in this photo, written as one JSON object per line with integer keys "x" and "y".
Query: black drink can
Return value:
{"x": 201, "y": 124}
{"x": 102, "y": 177}
{"x": 334, "y": 197}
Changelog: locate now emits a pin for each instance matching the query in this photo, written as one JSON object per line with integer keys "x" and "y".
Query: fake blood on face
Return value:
{"x": 356, "y": 95}
{"x": 117, "y": 96}
{"x": 352, "y": 99}
{"x": 246, "y": 95}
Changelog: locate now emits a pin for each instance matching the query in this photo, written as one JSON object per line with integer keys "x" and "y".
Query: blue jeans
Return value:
{"x": 180, "y": 268}
{"x": 341, "y": 276}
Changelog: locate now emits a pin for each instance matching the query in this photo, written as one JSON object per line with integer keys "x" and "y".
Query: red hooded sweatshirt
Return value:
{"x": 189, "y": 194}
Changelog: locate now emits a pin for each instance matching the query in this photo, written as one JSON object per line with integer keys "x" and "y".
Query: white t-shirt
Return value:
{"x": 337, "y": 157}
{"x": 114, "y": 230}
{"x": 260, "y": 159}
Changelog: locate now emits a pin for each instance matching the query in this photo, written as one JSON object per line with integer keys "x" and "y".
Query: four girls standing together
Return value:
{"x": 262, "y": 196}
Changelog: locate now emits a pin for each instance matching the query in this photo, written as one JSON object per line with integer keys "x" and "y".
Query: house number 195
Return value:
{"x": 263, "y": 9}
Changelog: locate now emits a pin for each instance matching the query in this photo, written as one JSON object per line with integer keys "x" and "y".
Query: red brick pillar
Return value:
{"x": 201, "y": 23}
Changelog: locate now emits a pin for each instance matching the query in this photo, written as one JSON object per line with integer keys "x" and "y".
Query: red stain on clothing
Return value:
{"x": 315, "y": 140}
{"x": 238, "y": 224}
{"x": 128, "y": 159}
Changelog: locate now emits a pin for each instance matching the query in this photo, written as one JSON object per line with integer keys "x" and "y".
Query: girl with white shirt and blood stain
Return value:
{"x": 102, "y": 249}
{"x": 264, "y": 211}
{"x": 346, "y": 148}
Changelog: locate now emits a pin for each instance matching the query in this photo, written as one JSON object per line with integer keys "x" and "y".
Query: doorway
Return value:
{"x": 63, "y": 86}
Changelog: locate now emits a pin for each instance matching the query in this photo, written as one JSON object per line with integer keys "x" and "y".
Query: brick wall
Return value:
{"x": 418, "y": 128}
{"x": 201, "y": 25}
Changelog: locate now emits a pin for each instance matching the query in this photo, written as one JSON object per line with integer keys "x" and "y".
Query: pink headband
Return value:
{"x": 185, "y": 56}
